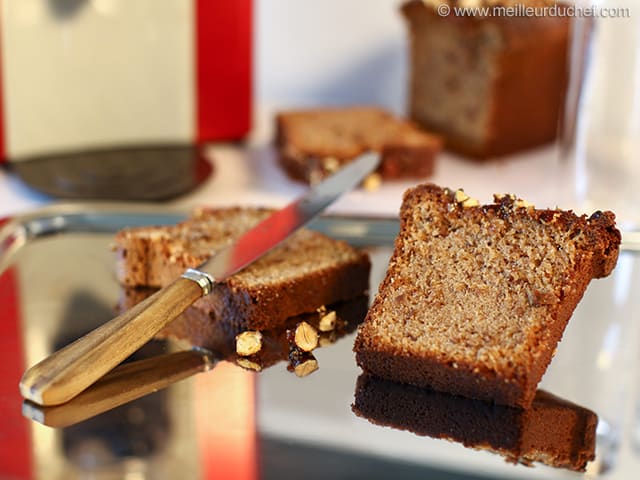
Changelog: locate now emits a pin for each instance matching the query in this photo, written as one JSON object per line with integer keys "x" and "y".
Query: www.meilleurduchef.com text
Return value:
{"x": 520, "y": 10}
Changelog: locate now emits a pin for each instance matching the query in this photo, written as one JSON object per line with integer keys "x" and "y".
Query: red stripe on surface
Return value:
{"x": 225, "y": 419}
{"x": 15, "y": 438}
{"x": 223, "y": 69}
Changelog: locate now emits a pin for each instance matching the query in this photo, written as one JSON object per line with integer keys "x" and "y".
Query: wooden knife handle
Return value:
{"x": 64, "y": 374}
{"x": 124, "y": 384}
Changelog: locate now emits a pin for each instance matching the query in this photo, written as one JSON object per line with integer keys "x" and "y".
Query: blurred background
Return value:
{"x": 111, "y": 100}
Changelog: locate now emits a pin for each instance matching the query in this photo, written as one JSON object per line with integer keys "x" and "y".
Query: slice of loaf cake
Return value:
{"x": 552, "y": 431}
{"x": 305, "y": 272}
{"x": 490, "y": 84}
{"x": 476, "y": 297}
{"x": 314, "y": 143}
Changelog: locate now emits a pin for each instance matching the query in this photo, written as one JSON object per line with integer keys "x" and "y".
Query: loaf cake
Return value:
{"x": 476, "y": 297}
{"x": 551, "y": 431}
{"x": 491, "y": 84}
{"x": 305, "y": 272}
{"x": 314, "y": 143}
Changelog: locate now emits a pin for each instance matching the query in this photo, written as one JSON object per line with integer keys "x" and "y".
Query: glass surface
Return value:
{"x": 233, "y": 423}
{"x": 602, "y": 136}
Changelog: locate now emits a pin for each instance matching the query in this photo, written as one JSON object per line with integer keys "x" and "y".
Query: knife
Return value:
{"x": 67, "y": 372}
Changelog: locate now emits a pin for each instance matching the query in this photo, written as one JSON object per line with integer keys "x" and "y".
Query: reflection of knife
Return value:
{"x": 125, "y": 383}
{"x": 66, "y": 373}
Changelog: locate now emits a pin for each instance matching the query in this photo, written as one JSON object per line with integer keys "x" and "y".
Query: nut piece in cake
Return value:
{"x": 305, "y": 337}
{"x": 302, "y": 363}
{"x": 248, "y": 343}
{"x": 249, "y": 364}
{"x": 327, "y": 321}
{"x": 475, "y": 299}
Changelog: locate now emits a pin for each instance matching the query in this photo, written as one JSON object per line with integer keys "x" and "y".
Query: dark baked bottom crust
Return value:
{"x": 263, "y": 308}
{"x": 241, "y": 309}
{"x": 398, "y": 159}
{"x": 300, "y": 168}
{"x": 397, "y": 162}
{"x": 196, "y": 328}
{"x": 430, "y": 373}
{"x": 401, "y": 161}
{"x": 492, "y": 148}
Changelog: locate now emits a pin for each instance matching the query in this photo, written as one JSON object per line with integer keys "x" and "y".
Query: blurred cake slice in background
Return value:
{"x": 314, "y": 143}
{"x": 492, "y": 82}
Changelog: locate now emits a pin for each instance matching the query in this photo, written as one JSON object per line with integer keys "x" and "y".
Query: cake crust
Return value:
{"x": 491, "y": 339}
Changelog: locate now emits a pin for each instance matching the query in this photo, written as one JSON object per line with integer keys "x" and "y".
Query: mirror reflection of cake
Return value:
{"x": 553, "y": 431}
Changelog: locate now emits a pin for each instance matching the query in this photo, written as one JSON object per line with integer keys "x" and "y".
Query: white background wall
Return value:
{"x": 330, "y": 52}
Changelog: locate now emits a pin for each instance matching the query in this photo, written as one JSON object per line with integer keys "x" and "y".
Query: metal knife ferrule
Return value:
{"x": 203, "y": 279}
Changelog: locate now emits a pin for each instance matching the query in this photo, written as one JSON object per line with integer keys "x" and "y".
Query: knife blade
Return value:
{"x": 281, "y": 224}
{"x": 67, "y": 372}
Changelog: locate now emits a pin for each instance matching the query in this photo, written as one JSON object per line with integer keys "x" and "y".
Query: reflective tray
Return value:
{"x": 57, "y": 281}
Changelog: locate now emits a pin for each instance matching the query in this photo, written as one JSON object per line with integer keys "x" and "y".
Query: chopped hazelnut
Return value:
{"x": 501, "y": 196}
{"x": 330, "y": 164}
{"x": 327, "y": 322}
{"x": 465, "y": 200}
{"x": 460, "y": 196}
{"x": 305, "y": 368}
{"x": 470, "y": 202}
{"x": 522, "y": 203}
{"x": 305, "y": 337}
{"x": 372, "y": 182}
{"x": 248, "y": 343}
{"x": 249, "y": 364}
{"x": 302, "y": 363}
{"x": 327, "y": 339}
